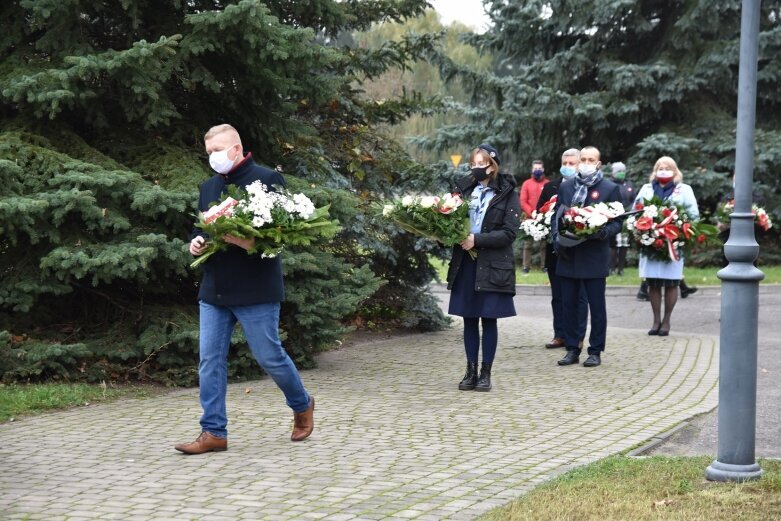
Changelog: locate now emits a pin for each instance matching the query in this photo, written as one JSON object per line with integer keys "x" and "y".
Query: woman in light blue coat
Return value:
{"x": 667, "y": 184}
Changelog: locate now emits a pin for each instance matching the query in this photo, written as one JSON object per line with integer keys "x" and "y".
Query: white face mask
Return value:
{"x": 219, "y": 161}
{"x": 586, "y": 169}
{"x": 664, "y": 174}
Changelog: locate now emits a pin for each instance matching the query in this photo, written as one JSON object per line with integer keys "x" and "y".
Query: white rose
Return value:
{"x": 429, "y": 201}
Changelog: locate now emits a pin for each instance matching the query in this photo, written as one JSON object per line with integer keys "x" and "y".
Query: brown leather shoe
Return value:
{"x": 204, "y": 443}
{"x": 304, "y": 422}
{"x": 556, "y": 342}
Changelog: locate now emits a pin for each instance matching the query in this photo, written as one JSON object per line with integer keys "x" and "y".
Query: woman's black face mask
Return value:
{"x": 480, "y": 173}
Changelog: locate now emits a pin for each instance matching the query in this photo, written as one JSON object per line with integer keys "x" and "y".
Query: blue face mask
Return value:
{"x": 567, "y": 171}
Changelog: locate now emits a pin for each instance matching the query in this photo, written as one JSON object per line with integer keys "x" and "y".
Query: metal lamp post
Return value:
{"x": 735, "y": 460}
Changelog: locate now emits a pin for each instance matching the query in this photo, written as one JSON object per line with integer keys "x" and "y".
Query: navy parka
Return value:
{"x": 232, "y": 277}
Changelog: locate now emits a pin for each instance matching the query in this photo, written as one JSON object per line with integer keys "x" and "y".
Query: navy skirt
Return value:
{"x": 468, "y": 303}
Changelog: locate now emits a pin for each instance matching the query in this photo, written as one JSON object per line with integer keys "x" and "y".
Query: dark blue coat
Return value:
{"x": 232, "y": 277}
{"x": 589, "y": 259}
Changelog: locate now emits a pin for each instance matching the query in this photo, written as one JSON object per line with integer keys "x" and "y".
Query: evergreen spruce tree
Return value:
{"x": 636, "y": 78}
{"x": 104, "y": 105}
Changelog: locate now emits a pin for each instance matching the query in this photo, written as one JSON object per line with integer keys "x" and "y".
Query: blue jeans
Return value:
{"x": 260, "y": 323}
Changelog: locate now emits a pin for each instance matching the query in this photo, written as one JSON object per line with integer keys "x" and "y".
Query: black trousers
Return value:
{"x": 557, "y": 304}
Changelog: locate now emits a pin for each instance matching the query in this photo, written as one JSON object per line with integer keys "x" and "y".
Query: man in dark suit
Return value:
{"x": 587, "y": 264}
{"x": 569, "y": 168}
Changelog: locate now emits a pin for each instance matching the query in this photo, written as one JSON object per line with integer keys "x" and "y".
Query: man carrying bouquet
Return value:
{"x": 238, "y": 287}
{"x": 587, "y": 264}
{"x": 569, "y": 168}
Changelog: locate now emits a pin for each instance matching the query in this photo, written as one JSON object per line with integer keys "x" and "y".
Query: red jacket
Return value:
{"x": 530, "y": 194}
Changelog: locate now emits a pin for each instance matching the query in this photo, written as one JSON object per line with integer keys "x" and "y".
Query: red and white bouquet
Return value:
{"x": 537, "y": 227}
{"x": 584, "y": 221}
{"x": 275, "y": 219}
{"x": 443, "y": 219}
{"x": 664, "y": 231}
{"x": 761, "y": 218}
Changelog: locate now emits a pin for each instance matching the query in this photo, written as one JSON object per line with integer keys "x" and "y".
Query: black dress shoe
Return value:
{"x": 688, "y": 290}
{"x": 570, "y": 358}
{"x": 662, "y": 333}
{"x": 592, "y": 361}
{"x": 653, "y": 332}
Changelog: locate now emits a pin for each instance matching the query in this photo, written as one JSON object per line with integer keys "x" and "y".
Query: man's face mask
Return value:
{"x": 619, "y": 176}
{"x": 568, "y": 171}
{"x": 219, "y": 161}
{"x": 537, "y": 173}
{"x": 586, "y": 169}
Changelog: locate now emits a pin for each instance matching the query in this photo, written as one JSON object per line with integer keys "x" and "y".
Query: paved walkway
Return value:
{"x": 394, "y": 439}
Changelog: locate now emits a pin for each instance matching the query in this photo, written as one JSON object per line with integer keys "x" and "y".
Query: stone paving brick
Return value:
{"x": 394, "y": 438}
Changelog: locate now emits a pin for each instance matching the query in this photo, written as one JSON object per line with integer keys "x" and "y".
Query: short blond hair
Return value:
{"x": 678, "y": 175}
{"x": 219, "y": 129}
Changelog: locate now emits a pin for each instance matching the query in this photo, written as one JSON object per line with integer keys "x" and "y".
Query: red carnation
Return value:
{"x": 700, "y": 238}
{"x": 658, "y": 243}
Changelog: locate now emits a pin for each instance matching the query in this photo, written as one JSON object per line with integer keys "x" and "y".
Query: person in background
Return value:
{"x": 243, "y": 288}
{"x": 686, "y": 290}
{"x": 666, "y": 183}
{"x": 482, "y": 288}
{"x": 569, "y": 167}
{"x": 585, "y": 267}
{"x": 619, "y": 245}
{"x": 529, "y": 197}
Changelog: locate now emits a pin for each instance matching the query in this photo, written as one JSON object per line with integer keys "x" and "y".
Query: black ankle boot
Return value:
{"x": 642, "y": 294}
{"x": 470, "y": 378}
{"x": 686, "y": 290}
{"x": 484, "y": 382}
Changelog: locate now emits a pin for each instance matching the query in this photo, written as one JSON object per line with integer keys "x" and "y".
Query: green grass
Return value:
{"x": 18, "y": 399}
{"x": 658, "y": 488}
{"x": 694, "y": 276}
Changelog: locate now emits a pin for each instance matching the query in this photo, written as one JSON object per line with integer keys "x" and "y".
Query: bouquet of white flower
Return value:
{"x": 538, "y": 226}
{"x": 443, "y": 219}
{"x": 275, "y": 219}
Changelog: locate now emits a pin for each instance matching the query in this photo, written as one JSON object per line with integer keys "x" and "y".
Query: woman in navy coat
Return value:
{"x": 483, "y": 288}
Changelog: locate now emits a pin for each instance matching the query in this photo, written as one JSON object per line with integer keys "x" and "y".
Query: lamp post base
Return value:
{"x": 718, "y": 471}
